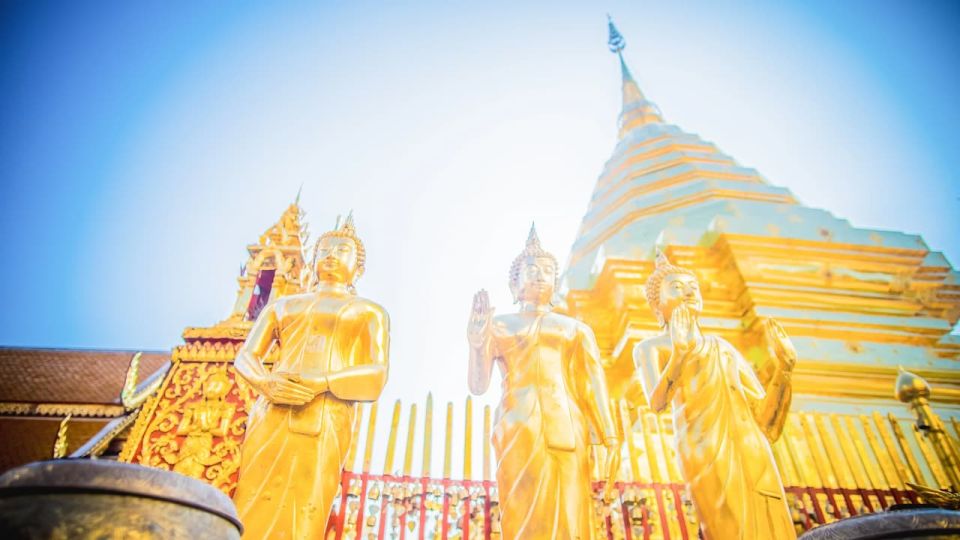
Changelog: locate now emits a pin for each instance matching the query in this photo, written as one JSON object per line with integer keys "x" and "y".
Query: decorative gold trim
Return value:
{"x": 236, "y": 330}
{"x": 205, "y": 352}
{"x": 60, "y": 409}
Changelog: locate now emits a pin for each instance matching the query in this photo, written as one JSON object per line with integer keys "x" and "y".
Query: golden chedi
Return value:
{"x": 332, "y": 352}
{"x": 725, "y": 419}
{"x": 554, "y": 392}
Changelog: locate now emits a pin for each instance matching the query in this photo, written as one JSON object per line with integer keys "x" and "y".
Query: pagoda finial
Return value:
{"x": 616, "y": 41}
{"x": 296, "y": 201}
{"x": 617, "y": 44}
{"x": 637, "y": 110}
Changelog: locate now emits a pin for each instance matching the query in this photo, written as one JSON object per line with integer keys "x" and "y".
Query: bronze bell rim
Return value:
{"x": 70, "y": 476}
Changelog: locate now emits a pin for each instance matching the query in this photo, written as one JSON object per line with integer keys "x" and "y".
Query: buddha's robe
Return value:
{"x": 724, "y": 455}
{"x": 292, "y": 457}
{"x": 553, "y": 385}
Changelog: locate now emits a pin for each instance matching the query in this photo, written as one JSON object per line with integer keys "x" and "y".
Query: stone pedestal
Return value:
{"x": 86, "y": 500}
{"x": 904, "y": 522}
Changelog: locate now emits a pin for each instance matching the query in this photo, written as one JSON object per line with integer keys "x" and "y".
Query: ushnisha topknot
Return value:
{"x": 662, "y": 269}
{"x": 533, "y": 249}
{"x": 344, "y": 230}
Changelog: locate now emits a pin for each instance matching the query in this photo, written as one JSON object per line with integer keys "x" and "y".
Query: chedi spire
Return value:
{"x": 637, "y": 110}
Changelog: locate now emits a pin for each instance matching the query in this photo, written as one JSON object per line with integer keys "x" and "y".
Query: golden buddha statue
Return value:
{"x": 332, "y": 352}
{"x": 724, "y": 418}
{"x": 202, "y": 421}
{"x": 554, "y": 392}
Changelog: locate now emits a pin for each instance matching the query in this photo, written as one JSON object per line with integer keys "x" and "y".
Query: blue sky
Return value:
{"x": 143, "y": 145}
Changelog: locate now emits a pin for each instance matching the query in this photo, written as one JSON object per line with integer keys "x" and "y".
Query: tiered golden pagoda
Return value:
{"x": 857, "y": 304}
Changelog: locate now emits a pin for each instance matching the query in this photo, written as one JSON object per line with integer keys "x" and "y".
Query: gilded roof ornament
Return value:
{"x": 135, "y": 392}
{"x": 616, "y": 41}
{"x": 60, "y": 445}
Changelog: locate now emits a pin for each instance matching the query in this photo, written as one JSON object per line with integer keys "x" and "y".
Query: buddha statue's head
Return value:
{"x": 534, "y": 273}
{"x": 670, "y": 286}
{"x": 339, "y": 255}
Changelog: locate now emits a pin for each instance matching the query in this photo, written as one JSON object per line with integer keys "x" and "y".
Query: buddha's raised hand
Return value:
{"x": 780, "y": 344}
{"x": 682, "y": 330}
{"x": 481, "y": 313}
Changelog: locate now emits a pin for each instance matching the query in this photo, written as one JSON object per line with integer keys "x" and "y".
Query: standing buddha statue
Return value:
{"x": 724, "y": 418}
{"x": 332, "y": 352}
{"x": 554, "y": 392}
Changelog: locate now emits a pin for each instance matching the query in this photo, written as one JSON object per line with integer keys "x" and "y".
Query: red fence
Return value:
{"x": 401, "y": 508}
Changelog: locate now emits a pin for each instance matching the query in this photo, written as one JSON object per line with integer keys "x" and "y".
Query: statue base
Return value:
{"x": 88, "y": 499}
{"x": 906, "y": 521}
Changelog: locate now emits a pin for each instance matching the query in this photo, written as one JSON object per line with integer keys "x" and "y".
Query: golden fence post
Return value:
{"x": 351, "y": 461}
{"x": 392, "y": 439}
{"x": 371, "y": 429}
{"x": 427, "y": 435}
{"x": 411, "y": 431}
{"x": 467, "y": 440}
{"x": 486, "y": 442}
{"x": 448, "y": 441}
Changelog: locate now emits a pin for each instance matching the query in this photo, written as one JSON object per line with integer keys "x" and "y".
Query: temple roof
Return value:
{"x": 76, "y": 376}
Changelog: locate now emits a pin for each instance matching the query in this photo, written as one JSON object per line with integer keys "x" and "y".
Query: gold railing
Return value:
{"x": 834, "y": 466}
